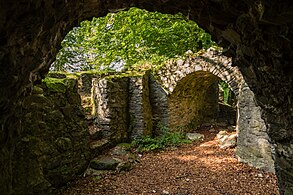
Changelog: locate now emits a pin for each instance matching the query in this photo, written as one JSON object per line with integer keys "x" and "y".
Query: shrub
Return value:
{"x": 166, "y": 139}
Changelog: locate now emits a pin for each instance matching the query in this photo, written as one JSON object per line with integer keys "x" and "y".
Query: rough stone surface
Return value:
{"x": 193, "y": 102}
{"x": 52, "y": 147}
{"x": 227, "y": 115}
{"x": 85, "y": 91}
{"x": 110, "y": 109}
{"x": 256, "y": 34}
{"x": 104, "y": 163}
{"x": 159, "y": 102}
{"x": 140, "y": 107}
{"x": 189, "y": 90}
{"x": 210, "y": 62}
{"x": 254, "y": 145}
{"x": 116, "y": 159}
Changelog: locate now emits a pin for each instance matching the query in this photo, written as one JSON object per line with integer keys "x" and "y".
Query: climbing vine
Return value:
{"x": 129, "y": 39}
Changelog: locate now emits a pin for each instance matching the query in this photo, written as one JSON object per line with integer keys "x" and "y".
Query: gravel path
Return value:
{"x": 199, "y": 168}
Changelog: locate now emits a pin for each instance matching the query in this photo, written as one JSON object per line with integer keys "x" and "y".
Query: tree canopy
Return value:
{"x": 129, "y": 39}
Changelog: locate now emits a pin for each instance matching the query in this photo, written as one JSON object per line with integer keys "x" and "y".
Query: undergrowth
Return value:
{"x": 165, "y": 140}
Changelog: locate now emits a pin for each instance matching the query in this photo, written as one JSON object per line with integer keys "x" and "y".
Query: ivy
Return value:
{"x": 129, "y": 39}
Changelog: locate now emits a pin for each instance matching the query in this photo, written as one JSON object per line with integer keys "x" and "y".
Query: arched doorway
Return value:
{"x": 196, "y": 79}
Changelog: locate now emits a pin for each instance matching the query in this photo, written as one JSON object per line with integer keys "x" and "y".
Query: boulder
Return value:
{"x": 104, "y": 163}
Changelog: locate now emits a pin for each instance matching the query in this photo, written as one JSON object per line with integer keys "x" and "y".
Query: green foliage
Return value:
{"x": 125, "y": 146}
{"x": 129, "y": 39}
{"x": 55, "y": 85}
{"x": 227, "y": 92}
{"x": 167, "y": 139}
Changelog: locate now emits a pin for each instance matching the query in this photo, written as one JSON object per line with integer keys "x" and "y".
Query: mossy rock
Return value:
{"x": 36, "y": 101}
{"x": 70, "y": 84}
{"x": 55, "y": 85}
{"x": 125, "y": 146}
{"x": 63, "y": 143}
{"x": 60, "y": 85}
{"x": 56, "y": 75}
{"x": 104, "y": 163}
{"x": 37, "y": 90}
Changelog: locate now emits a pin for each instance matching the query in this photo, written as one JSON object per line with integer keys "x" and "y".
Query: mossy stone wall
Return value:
{"x": 52, "y": 148}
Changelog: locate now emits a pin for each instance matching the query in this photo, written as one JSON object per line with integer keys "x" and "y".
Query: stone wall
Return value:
{"x": 126, "y": 108}
{"x": 159, "y": 102}
{"x": 110, "y": 99}
{"x": 140, "y": 110}
{"x": 121, "y": 107}
{"x": 140, "y": 105}
{"x": 52, "y": 148}
{"x": 254, "y": 145}
{"x": 193, "y": 102}
{"x": 85, "y": 91}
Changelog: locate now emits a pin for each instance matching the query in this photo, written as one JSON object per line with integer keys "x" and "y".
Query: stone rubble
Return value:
{"x": 195, "y": 136}
{"x": 227, "y": 140}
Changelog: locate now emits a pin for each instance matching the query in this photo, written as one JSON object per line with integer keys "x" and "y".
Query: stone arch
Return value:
{"x": 211, "y": 61}
{"x": 253, "y": 142}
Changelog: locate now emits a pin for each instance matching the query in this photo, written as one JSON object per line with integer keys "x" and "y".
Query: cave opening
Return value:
{"x": 203, "y": 110}
{"x": 31, "y": 79}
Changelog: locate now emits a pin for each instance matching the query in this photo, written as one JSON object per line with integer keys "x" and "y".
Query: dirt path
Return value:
{"x": 200, "y": 168}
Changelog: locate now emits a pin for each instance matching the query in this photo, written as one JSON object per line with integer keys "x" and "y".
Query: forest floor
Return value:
{"x": 198, "y": 168}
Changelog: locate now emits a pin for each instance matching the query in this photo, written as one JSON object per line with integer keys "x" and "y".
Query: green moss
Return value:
{"x": 60, "y": 85}
{"x": 55, "y": 85}
{"x": 125, "y": 146}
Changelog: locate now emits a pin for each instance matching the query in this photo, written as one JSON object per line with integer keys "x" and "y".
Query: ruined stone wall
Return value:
{"x": 52, "y": 148}
{"x": 195, "y": 79}
{"x": 121, "y": 108}
{"x": 110, "y": 99}
{"x": 253, "y": 144}
{"x": 85, "y": 90}
{"x": 159, "y": 102}
{"x": 212, "y": 61}
{"x": 125, "y": 108}
{"x": 140, "y": 110}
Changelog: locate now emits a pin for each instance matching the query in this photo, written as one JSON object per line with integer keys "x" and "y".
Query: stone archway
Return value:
{"x": 254, "y": 146}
